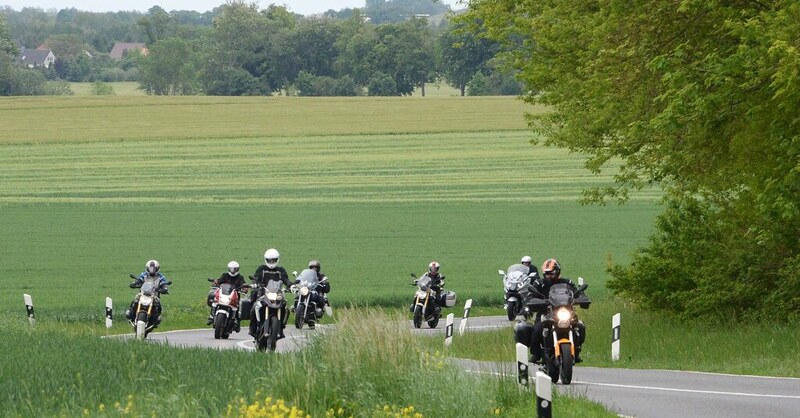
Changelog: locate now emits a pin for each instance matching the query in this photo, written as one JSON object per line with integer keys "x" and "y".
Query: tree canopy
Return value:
{"x": 699, "y": 97}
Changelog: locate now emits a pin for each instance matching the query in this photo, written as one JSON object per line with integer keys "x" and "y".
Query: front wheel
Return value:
{"x": 433, "y": 322}
{"x": 566, "y": 363}
{"x": 219, "y": 325}
{"x": 141, "y": 325}
{"x": 418, "y": 316}
{"x": 299, "y": 317}
{"x": 511, "y": 310}
{"x": 274, "y": 331}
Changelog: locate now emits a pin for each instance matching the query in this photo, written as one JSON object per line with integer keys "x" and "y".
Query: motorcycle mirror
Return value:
{"x": 582, "y": 287}
{"x": 294, "y": 273}
{"x": 133, "y": 277}
{"x": 501, "y": 272}
{"x": 210, "y": 279}
{"x": 413, "y": 275}
{"x": 168, "y": 283}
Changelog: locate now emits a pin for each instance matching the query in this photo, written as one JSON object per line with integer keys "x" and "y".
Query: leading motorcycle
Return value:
{"x": 225, "y": 305}
{"x": 306, "y": 295}
{"x": 559, "y": 322}
{"x": 147, "y": 305}
{"x": 270, "y": 308}
{"x": 426, "y": 306}
{"x": 515, "y": 283}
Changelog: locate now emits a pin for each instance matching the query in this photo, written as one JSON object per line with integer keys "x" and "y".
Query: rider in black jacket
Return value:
{"x": 231, "y": 276}
{"x": 551, "y": 270}
{"x": 265, "y": 273}
{"x": 321, "y": 298}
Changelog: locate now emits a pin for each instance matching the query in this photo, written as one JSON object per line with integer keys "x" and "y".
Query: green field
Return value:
{"x": 375, "y": 188}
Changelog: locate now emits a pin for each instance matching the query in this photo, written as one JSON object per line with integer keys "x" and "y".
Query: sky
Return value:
{"x": 304, "y": 7}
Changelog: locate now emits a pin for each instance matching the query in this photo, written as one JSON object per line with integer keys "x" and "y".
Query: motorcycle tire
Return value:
{"x": 219, "y": 325}
{"x": 274, "y": 331}
{"x": 511, "y": 310}
{"x": 299, "y": 319}
{"x": 433, "y": 322}
{"x": 418, "y": 316}
{"x": 141, "y": 326}
{"x": 566, "y": 363}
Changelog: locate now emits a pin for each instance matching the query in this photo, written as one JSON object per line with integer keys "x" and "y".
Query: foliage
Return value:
{"x": 169, "y": 68}
{"x": 695, "y": 96}
{"x": 396, "y": 11}
{"x": 464, "y": 53}
{"x": 58, "y": 88}
{"x": 102, "y": 89}
{"x": 310, "y": 85}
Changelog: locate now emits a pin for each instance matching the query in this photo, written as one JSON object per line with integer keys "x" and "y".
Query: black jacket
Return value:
{"x": 324, "y": 287}
{"x": 542, "y": 286}
{"x": 264, "y": 275}
{"x": 237, "y": 280}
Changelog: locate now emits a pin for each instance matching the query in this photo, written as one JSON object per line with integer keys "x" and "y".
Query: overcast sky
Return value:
{"x": 304, "y": 7}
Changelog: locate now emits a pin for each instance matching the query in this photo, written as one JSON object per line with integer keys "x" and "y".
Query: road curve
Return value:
{"x": 629, "y": 392}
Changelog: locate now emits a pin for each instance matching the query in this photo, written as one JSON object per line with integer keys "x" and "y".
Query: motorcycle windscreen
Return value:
{"x": 308, "y": 278}
{"x": 560, "y": 295}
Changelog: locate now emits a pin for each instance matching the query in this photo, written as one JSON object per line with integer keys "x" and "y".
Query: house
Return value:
{"x": 33, "y": 58}
{"x": 120, "y": 49}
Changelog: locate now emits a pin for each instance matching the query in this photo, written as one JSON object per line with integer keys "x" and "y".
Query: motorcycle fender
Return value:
{"x": 562, "y": 341}
{"x": 511, "y": 300}
{"x": 223, "y": 311}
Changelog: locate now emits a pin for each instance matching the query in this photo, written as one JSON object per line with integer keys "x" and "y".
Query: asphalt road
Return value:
{"x": 634, "y": 393}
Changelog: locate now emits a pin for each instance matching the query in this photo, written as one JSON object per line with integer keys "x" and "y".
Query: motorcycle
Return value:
{"x": 426, "y": 306}
{"x": 226, "y": 309}
{"x": 145, "y": 318}
{"x": 269, "y": 307}
{"x": 305, "y": 307}
{"x": 515, "y": 283}
{"x": 559, "y": 322}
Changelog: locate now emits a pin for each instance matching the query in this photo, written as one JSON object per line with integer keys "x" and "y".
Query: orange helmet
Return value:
{"x": 551, "y": 270}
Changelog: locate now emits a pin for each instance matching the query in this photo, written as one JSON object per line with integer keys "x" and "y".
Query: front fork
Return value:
{"x": 558, "y": 341}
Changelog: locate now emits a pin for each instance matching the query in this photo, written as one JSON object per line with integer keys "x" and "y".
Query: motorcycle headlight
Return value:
{"x": 273, "y": 296}
{"x": 225, "y": 299}
{"x": 421, "y": 294}
{"x": 563, "y": 315}
{"x": 145, "y": 300}
{"x": 303, "y": 290}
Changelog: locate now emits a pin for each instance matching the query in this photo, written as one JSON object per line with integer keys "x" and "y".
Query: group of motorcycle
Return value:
{"x": 556, "y": 313}
{"x": 229, "y": 307}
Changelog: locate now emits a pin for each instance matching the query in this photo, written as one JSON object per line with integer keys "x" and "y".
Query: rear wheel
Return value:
{"x": 566, "y": 363}
{"x": 418, "y": 316}
{"x": 219, "y": 325}
{"x": 141, "y": 325}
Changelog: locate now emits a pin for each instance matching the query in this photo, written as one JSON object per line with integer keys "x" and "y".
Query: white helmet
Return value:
{"x": 152, "y": 267}
{"x": 271, "y": 258}
{"x": 233, "y": 268}
{"x": 526, "y": 259}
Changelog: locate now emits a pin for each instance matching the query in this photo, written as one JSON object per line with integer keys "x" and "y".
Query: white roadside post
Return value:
{"x": 544, "y": 395}
{"x": 615, "y": 322}
{"x": 29, "y": 307}
{"x": 463, "y": 325}
{"x": 522, "y": 364}
{"x": 448, "y": 331}
{"x": 109, "y": 313}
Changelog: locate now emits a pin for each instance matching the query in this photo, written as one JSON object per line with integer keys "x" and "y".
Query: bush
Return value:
{"x": 102, "y": 89}
{"x": 58, "y": 88}
{"x": 382, "y": 84}
{"x": 28, "y": 83}
{"x": 308, "y": 84}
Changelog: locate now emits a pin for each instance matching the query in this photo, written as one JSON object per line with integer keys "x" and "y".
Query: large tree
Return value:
{"x": 700, "y": 97}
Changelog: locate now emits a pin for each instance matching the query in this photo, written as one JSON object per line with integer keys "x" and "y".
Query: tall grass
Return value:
{"x": 369, "y": 365}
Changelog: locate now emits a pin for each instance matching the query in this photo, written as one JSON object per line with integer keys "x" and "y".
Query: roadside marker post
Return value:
{"x": 544, "y": 395}
{"x": 615, "y": 329}
{"x": 29, "y": 307}
{"x": 462, "y": 327}
{"x": 448, "y": 331}
{"x": 109, "y": 313}
{"x": 522, "y": 365}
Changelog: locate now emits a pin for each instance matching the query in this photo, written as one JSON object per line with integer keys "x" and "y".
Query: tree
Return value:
{"x": 697, "y": 97}
{"x": 169, "y": 68}
{"x": 157, "y": 24}
{"x": 7, "y": 52}
{"x": 464, "y": 53}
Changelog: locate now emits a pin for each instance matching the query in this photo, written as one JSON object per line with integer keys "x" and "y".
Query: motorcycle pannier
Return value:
{"x": 448, "y": 299}
{"x": 244, "y": 309}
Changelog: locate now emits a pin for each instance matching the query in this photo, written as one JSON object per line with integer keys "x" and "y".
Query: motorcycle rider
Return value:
{"x": 231, "y": 276}
{"x": 321, "y": 296}
{"x": 551, "y": 271}
{"x": 437, "y": 282}
{"x": 265, "y": 273}
{"x": 533, "y": 272}
{"x": 151, "y": 270}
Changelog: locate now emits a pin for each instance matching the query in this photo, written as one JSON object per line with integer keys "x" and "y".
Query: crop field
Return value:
{"x": 82, "y": 213}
